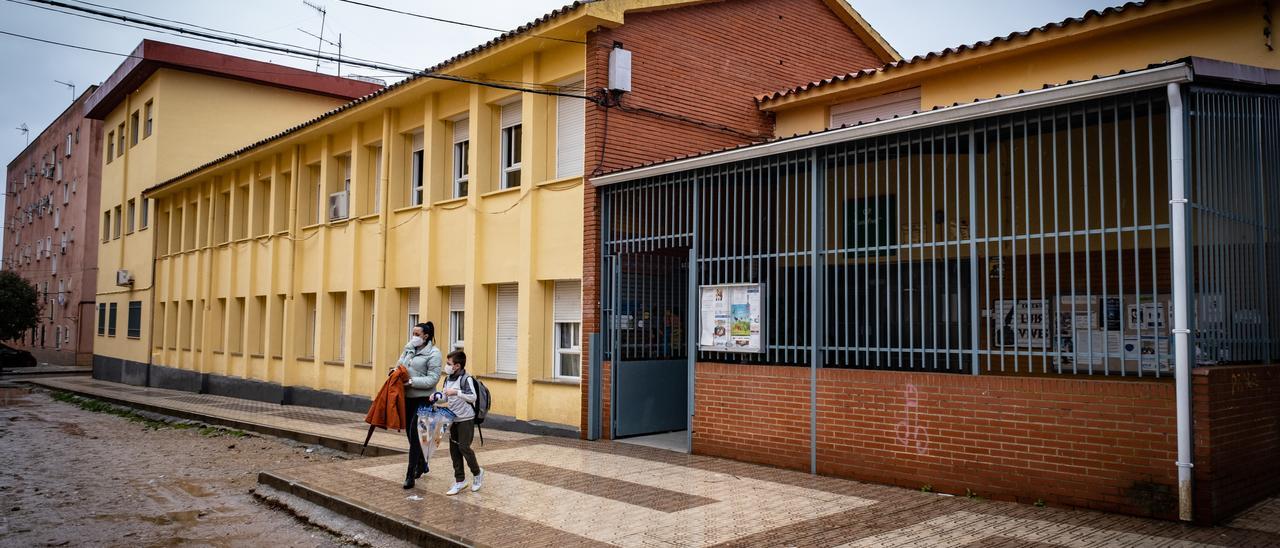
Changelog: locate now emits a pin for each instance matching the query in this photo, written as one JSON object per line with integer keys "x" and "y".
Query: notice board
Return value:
{"x": 731, "y": 318}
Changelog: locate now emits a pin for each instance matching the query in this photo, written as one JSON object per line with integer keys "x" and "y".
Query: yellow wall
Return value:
{"x": 195, "y": 118}
{"x": 530, "y": 235}
{"x": 1223, "y": 30}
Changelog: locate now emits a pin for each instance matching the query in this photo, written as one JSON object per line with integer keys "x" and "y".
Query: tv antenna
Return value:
{"x": 26, "y": 132}
{"x": 70, "y": 85}
{"x": 336, "y": 45}
{"x": 324, "y": 13}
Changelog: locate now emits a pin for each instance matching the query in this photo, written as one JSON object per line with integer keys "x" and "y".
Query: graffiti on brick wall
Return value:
{"x": 1247, "y": 380}
{"x": 910, "y": 433}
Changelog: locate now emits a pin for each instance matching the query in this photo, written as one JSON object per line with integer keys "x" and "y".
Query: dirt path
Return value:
{"x": 71, "y": 477}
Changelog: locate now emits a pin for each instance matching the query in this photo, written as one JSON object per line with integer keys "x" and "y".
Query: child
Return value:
{"x": 460, "y": 396}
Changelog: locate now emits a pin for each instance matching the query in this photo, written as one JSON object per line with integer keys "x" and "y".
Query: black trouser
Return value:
{"x": 417, "y": 463}
{"x": 460, "y": 434}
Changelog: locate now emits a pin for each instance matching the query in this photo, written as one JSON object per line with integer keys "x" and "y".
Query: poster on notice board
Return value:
{"x": 730, "y": 318}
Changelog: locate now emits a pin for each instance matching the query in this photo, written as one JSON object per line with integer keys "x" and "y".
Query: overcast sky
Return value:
{"x": 30, "y": 96}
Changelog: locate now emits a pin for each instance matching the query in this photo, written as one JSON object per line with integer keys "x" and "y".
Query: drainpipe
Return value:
{"x": 1181, "y": 333}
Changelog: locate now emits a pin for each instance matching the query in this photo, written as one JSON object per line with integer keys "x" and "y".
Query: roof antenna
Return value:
{"x": 70, "y": 85}
{"x": 323, "y": 14}
{"x": 26, "y": 132}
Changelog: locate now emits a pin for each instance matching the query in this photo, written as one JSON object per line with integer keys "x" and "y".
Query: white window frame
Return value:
{"x": 147, "y": 129}
{"x": 417, "y": 142}
{"x": 566, "y": 313}
{"x": 512, "y": 133}
{"x": 461, "y": 164}
{"x": 562, "y": 351}
{"x": 457, "y": 318}
{"x": 375, "y": 152}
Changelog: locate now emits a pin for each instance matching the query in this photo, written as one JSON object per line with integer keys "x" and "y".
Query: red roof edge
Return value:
{"x": 151, "y": 56}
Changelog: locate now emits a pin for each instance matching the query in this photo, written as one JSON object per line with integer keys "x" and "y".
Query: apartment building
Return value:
{"x": 292, "y": 269}
{"x": 51, "y": 231}
{"x": 164, "y": 110}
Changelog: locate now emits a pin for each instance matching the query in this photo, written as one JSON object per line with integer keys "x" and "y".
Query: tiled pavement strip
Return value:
{"x": 565, "y": 492}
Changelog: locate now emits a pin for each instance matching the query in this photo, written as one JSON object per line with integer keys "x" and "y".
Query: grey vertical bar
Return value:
{"x": 593, "y": 389}
{"x": 691, "y": 341}
{"x": 973, "y": 252}
{"x": 815, "y": 358}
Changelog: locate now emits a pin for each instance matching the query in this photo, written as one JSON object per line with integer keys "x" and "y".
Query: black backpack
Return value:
{"x": 481, "y": 406}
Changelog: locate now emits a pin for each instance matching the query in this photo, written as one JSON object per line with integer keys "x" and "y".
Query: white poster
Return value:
{"x": 1021, "y": 324}
{"x": 731, "y": 318}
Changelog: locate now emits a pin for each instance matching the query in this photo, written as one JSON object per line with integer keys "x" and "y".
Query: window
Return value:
{"x": 68, "y": 147}
{"x": 111, "y": 146}
{"x": 261, "y": 207}
{"x": 54, "y": 269}
{"x": 375, "y": 158}
{"x": 315, "y": 194}
{"x": 57, "y": 217}
{"x": 457, "y": 318}
{"x": 567, "y": 316}
{"x": 66, "y": 193}
{"x": 235, "y": 337}
{"x": 415, "y": 168}
{"x": 118, "y": 222}
{"x": 143, "y": 223}
{"x": 277, "y": 325}
{"x": 370, "y": 308}
{"x": 106, "y": 225}
{"x": 102, "y": 319}
{"x": 146, "y": 132}
{"x": 570, "y": 133}
{"x": 411, "y": 309}
{"x": 130, "y": 210}
{"x": 507, "y": 328}
{"x": 111, "y": 319}
{"x": 134, "y": 328}
{"x": 511, "y": 129}
{"x": 133, "y": 128}
{"x": 309, "y": 328}
{"x": 219, "y": 323}
{"x": 241, "y": 209}
{"x": 259, "y": 329}
{"x": 339, "y": 338}
{"x": 184, "y": 324}
{"x": 461, "y": 152}
{"x": 57, "y": 173}
{"x": 120, "y": 140}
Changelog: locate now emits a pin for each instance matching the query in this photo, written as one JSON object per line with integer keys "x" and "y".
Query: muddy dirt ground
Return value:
{"x": 72, "y": 477}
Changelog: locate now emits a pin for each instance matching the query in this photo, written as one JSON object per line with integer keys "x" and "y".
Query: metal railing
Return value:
{"x": 1031, "y": 242}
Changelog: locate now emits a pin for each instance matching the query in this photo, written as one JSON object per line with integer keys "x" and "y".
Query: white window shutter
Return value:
{"x": 571, "y": 115}
{"x": 413, "y": 300}
{"x": 456, "y": 295}
{"x": 507, "y": 329}
{"x": 568, "y": 302}
{"x": 461, "y": 130}
{"x": 883, "y": 107}
{"x": 418, "y": 141}
{"x": 510, "y": 114}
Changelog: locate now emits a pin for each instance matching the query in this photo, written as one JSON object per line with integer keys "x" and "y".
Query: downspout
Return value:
{"x": 151, "y": 306}
{"x": 1181, "y": 332}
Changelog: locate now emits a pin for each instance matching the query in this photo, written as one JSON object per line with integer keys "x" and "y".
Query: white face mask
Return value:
{"x": 415, "y": 341}
{"x": 448, "y": 369}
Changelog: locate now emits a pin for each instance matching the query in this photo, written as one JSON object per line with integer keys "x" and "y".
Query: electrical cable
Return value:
{"x": 452, "y": 22}
{"x": 291, "y": 51}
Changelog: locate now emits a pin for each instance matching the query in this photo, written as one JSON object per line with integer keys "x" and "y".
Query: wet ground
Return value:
{"x": 74, "y": 477}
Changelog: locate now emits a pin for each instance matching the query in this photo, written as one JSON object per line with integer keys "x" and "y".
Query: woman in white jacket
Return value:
{"x": 422, "y": 359}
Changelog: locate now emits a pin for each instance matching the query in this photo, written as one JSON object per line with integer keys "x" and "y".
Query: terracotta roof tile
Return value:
{"x": 1090, "y": 16}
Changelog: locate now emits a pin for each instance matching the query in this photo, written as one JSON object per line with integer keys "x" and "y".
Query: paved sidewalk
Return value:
{"x": 545, "y": 491}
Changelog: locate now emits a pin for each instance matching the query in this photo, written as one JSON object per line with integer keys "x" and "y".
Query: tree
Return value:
{"x": 21, "y": 306}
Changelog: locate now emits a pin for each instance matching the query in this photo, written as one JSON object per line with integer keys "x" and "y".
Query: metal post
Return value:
{"x": 1181, "y": 334}
{"x": 817, "y": 224}
{"x": 690, "y": 335}
{"x": 973, "y": 251}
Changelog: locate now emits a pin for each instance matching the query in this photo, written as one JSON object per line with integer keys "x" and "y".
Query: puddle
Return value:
{"x": 193, "y": 489}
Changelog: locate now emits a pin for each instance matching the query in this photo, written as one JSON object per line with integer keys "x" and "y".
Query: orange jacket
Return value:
{"x": 387, "y": 410}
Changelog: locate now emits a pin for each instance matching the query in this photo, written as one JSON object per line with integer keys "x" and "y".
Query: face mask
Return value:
{"x": 415, "y": 341}
{"x": 448, "y": 369}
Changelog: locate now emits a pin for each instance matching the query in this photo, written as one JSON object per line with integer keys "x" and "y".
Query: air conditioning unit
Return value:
{"x": 338, "y": 206}
{"x": 124, "y": 278}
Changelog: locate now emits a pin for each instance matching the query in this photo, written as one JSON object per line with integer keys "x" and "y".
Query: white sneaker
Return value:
{"x": 457, "y": 487}
{"x": 477, "y": 480}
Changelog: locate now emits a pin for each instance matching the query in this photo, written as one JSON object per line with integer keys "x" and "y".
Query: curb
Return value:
{"x": 399, "y": 528}
{"x": 330, "y": 442}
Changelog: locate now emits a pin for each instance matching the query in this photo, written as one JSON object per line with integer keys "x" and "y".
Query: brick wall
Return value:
{"x": 1102, "y": 444}
{"x": 706, "y": 62}
{"x": 1237, "y": 438}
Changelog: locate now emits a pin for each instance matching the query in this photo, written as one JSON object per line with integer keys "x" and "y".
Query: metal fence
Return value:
{"x": 1234, "y": 195}
{"x": 1033, "y": 242}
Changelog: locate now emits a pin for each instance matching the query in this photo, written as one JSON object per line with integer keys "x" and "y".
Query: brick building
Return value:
{"x": 1036, "y": 268}
{"x": 50, "y": 235}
